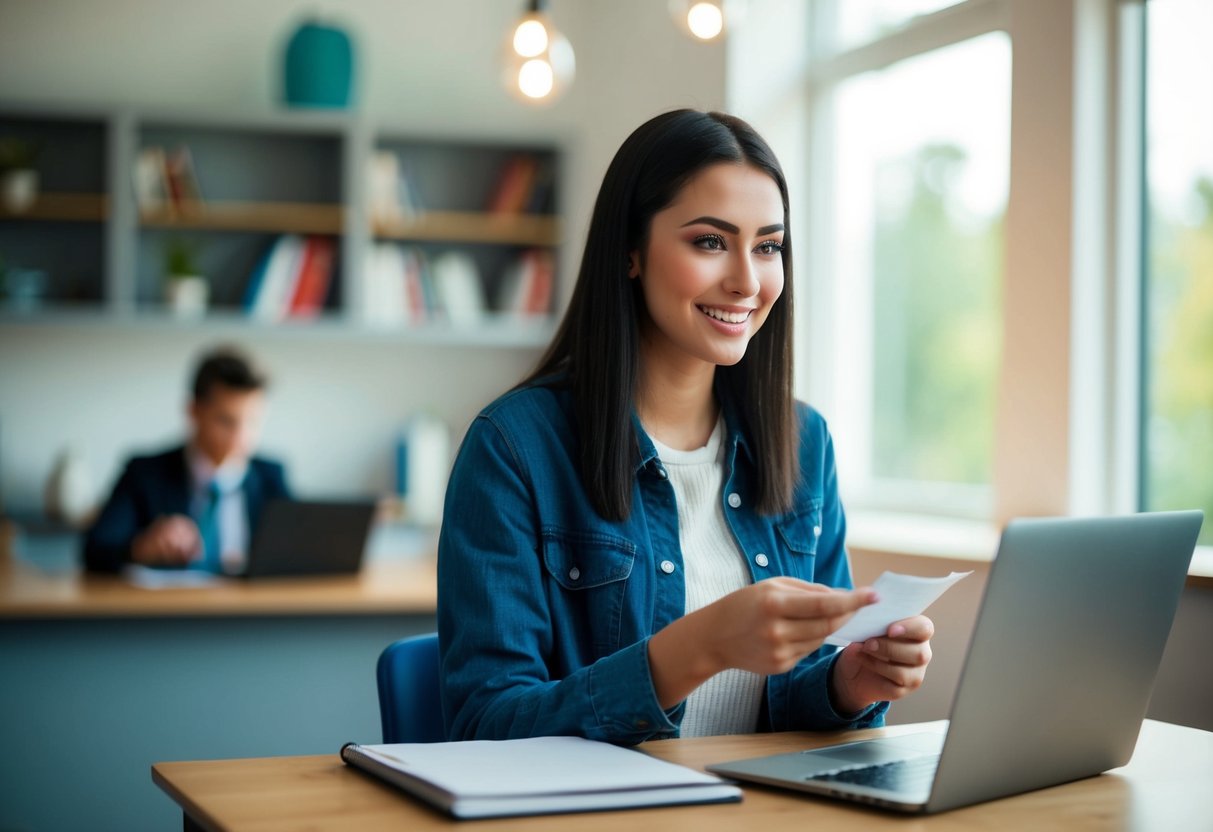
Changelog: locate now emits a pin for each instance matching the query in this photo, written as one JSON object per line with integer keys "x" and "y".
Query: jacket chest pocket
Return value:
{"x": 588, "y": 576}
{"x": 799, "y": 533}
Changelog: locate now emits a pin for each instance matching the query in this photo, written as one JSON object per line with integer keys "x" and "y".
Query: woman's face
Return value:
{"x": 713, "y": 266}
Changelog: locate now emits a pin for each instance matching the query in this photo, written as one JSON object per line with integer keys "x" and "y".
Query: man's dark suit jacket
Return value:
{"x": 157, "y": 486}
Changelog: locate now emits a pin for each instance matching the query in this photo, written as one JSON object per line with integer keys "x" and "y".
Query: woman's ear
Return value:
{"x": 634, "y": 264}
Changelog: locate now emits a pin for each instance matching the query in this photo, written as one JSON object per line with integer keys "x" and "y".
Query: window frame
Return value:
{"x": 1069, "y": 396}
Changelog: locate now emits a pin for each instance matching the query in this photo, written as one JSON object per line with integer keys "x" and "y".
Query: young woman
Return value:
{"x": 644, "y": 538}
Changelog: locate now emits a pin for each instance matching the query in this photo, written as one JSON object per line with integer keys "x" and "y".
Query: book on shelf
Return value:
{"x": 423, "y": 272}
{"x": 535, "y": 776}
{"x": 385, "y": 297}
{"x": 458, "y": 289}
{"x": 315, "y": 276}
{"x": 273, "y": 284}
{"x": 403, "y": 286}
{"x": 166, "y": 181}
{"x": 150, "y": 175}
{"x": 526, "y": 288}
{"x": 516, "y": 180}
{"x": 543, "y": 191}
{"x": 392, "y": 197}
{"x": 183, "y": 181}
{"x": 292, "y": 279}
{"x": 418, "y": 293}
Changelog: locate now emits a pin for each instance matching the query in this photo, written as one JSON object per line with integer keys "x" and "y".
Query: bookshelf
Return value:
{"x": 473, "y": 227}
{"x": 61, "y": 207}
{"x": 60, "y": 242}
{"x": 276, "y": 217}
{"x": 100, "y": 239}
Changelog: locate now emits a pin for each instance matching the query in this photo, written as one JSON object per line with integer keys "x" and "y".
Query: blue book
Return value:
{"x": 257, "y": 278}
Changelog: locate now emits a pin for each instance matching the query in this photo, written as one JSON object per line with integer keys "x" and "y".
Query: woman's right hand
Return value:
{"x": 764, "y": 628}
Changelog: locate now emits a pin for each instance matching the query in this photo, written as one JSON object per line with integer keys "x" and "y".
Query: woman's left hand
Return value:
{"x": 885, "y": 668}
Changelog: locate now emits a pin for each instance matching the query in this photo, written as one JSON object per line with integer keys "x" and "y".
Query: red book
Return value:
{"x": 182, "y": 181}
{"x": 414, "y": 291}
{"x": 525, "y": 184}
{"x": 539, "y": 296}
{"x": 315, "y": 274}
{"x": 514, "y": 184}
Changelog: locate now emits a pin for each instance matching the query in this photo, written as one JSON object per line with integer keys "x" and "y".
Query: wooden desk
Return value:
{"x": 1166, "y": 786}
{"x": 129, "y": 676}
{"x": 1200, "y": 573}
{"x": 406, "y": 587}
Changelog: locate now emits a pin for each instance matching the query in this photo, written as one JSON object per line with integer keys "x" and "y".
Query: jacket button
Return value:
{"x": 761, "y": 559}
{"x": 662, "y": 473}
{"x": 817, "y": 531}
{"x": 574, "y": 573}
{"x": 667, "y": 566}
{"x": 735, "y": 500}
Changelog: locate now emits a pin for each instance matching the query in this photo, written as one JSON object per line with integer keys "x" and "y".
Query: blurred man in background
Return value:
{"x": 194, "y": 506}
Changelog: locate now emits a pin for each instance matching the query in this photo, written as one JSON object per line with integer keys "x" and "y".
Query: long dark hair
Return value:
{"x": 597, "y": 346}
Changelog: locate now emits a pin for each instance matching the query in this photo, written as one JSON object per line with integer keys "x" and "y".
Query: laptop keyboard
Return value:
{"x": 911, "y": 775}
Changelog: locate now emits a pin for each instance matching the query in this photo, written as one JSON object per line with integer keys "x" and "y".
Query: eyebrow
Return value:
{"x": 716, "y": 222}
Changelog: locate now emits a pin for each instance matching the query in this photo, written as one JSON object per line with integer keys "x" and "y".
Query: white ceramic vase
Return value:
{"x": 19, "y": 189}
{"x": 187, "y": 295}
{"x": 69, "y": 489}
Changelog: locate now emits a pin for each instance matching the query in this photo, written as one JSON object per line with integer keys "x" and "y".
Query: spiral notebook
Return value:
{"x": 536, "y": 776}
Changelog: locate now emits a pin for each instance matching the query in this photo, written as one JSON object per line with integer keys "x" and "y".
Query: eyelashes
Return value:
{"x": 715, "y": 242}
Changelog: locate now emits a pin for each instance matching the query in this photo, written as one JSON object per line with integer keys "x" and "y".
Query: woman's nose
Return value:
{"x": 742, "y": 279}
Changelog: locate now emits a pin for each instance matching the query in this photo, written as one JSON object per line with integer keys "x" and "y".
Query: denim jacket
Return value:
{"x": 545, "y": 609}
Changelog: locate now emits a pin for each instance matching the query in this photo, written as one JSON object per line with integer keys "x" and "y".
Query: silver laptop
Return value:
{"x": 1056, "y": 681}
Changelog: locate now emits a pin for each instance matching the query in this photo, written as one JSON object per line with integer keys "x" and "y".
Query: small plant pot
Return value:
{"x": 186, "y": 296}
{"x": 19, "y": 189}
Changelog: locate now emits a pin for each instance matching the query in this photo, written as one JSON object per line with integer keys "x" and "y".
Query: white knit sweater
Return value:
{"x": 714, "y": 566}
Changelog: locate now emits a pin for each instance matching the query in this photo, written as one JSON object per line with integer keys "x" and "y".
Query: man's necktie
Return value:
{"x": 208, "y": 526}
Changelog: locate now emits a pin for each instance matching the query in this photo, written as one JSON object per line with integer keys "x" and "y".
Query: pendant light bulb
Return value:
{"x": 706, "y": 21}
{"x": 530, "y": 38}
{"x": 536, "y": 78}
{"x": 537, "y": 60}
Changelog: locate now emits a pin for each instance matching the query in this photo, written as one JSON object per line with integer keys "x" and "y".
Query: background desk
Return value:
{"x": 1165, "y": 787}
{"x": 101, "y": 679}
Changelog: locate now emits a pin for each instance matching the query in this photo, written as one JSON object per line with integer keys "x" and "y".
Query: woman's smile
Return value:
{"x": 727, "y": 314}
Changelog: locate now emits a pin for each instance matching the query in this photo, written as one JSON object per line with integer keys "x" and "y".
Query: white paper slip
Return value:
{"x": 901, "y": 596}
{"x": 147, "y": 578}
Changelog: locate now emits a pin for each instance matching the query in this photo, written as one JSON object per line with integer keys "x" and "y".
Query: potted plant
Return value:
{"x": 186, "y": 290}
{"x": 18, "y": 176}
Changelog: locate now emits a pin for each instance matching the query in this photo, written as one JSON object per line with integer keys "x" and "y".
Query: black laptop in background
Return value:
{"x": 302, "y": 537}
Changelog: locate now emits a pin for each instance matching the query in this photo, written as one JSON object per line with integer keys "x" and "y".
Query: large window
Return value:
{"x": 860, "y": 21}
{"x": 919, "y": 158}
{"x": 1178, "y": 326}
{"x": 1007, "y": 314}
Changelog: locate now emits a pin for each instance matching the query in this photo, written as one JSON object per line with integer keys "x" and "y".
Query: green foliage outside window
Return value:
{"x": 937, "y": 284}
{"x": 1179, "y": 438}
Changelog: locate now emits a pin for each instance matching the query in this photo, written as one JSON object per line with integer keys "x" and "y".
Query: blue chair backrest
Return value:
{"x": 410, "y": 705}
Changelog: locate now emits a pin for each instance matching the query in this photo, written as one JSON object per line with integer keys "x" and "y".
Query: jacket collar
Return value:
{"x": 646, "y": 452}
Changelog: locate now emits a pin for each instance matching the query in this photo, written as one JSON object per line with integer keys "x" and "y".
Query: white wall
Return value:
{"x": 433, "y": 65}
{"x": 335, "y": 402}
